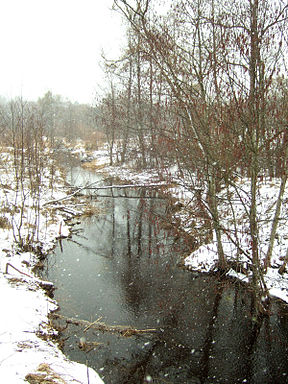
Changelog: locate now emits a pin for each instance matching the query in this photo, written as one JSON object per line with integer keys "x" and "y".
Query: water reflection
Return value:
{"x": 122, "y": 268}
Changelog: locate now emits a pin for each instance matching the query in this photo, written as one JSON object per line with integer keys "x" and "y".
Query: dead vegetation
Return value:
{"x": 92, "y": 210}
{"x": 88, "y": 346}
{"x": 44, "y": 375}
{"x": 4, "y": 223}
{"x": 93, "y": 165}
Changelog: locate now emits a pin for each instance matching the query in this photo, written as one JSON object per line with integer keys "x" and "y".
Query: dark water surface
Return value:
{"x": 122, "y": 267}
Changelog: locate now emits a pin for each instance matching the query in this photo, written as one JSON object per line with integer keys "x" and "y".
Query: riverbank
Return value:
{"x": 26, "y": 346}
{"x": 204, "y": 258}
{"x": 121, "y": 268}
{"x": 28, "y": 351}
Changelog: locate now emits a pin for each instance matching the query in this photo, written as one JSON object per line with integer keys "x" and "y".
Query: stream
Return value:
{"x": 120, "y": 267}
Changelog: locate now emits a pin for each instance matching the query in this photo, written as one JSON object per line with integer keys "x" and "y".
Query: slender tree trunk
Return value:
{"x": 254, "y": 121}
{"x": 213, "y": 206}
{"x": 140, "y": 106}
{"x": 128, "y": 114}
{"x": 275, "y": 221}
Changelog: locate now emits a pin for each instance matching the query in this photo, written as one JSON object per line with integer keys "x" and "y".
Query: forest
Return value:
{"x": 202, "y": 87}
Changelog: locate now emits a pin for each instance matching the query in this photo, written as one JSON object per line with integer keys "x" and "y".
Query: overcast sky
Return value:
{"x": 56, "y": 45}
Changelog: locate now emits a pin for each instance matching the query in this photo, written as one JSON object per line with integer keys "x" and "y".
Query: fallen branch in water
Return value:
{"x": 63, "y": 198}
{"x": 92, "y": 186}
{"x": 78, "y": 189}
{"x": 124, "y": 186}
{"x": 100, "y": 326}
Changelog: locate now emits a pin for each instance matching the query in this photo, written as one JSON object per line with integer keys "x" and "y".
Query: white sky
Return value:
{"x": 56, "y": 45}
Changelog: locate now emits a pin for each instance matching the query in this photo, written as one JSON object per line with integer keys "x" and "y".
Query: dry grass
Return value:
{"x": 92, "y": 210}
{"x": 93, "y": 165}
{"x": 4, "y": 223}
{"x": 44, "y": 375}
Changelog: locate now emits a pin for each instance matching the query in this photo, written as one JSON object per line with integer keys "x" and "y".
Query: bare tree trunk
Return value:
{"x": 126, "y": 128}
{"x": 278, "y": 206}
{"x": 275, "y": 221}
{"x": 213, "y": 206}
{"x": 139, "y": 108}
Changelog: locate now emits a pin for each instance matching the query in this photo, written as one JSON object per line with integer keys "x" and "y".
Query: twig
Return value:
{"x": 90, "y": 325}
{"x": 10, "y": 265}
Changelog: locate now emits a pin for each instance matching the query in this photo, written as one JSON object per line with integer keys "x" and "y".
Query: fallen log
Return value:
{"x": 124, "y": 186}
{"x": 122, "y": 330}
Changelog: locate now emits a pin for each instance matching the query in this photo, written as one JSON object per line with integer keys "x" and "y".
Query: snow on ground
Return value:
{"x": 26, "y": 349}
{"x": 25, "y": 306}
{"x": 23, "y": 353}
{"x": 204, "y": 258}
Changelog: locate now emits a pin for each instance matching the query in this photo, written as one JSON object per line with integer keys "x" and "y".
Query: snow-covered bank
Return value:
{"x": 204, "y": 258}
{"x": 234, "y": 205}
{"x": 24, "y": 352}
{"x": 27, "y": 353}
{"x": 26, "y": 349}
